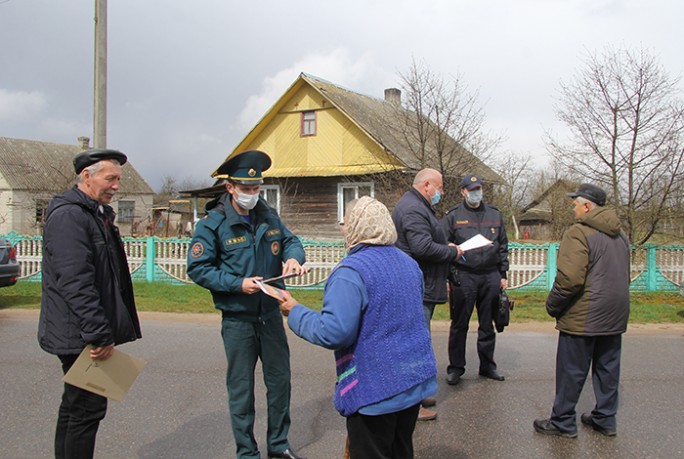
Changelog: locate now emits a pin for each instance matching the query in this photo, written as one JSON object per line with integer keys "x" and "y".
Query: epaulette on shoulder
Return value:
{"x": 213, "y": 219}
{"x": 453, "y": 208}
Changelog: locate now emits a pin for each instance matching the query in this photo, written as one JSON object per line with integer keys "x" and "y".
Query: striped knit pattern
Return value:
{"x": 393, "y": 352}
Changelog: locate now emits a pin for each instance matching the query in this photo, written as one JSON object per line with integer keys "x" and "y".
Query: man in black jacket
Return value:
{"x": 87, "y": 291}
{"x": 477, "y": 278}
{"x": 421, "y": 236}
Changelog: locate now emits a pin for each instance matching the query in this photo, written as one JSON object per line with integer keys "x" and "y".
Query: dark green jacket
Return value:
{"x": 225, "y": 249}
{"x": 590, "y": 295}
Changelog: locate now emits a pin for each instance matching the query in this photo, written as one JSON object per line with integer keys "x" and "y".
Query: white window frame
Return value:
{"x": 309, "y": 126}
{"x": 125, "y": 219}
{"x": 264, "y": 189}
{"x": 351, "y": 185}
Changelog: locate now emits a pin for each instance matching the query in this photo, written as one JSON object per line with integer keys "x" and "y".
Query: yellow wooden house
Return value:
{"x": 330, "y": 145}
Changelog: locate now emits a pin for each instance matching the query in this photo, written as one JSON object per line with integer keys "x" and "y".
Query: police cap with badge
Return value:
{"x": 471, "y": 181}
{"x": 245, "y": 168}
{"x": 90, "y": 157}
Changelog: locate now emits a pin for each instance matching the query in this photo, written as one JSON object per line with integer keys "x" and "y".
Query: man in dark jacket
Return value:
{"x": 477, "y": 279}
{"x": 421, "y": 236}
{"x": 87, "y": 291}
{"x": 590, "y": 301}
{"x": 242, "y": 240}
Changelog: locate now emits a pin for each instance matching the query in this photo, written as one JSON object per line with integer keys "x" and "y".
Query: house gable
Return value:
{"x": 339, "y": 148}
{"x": 355, "y": 135}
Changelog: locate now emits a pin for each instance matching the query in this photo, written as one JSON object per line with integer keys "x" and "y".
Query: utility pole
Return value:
{"x": 100, "y": 109}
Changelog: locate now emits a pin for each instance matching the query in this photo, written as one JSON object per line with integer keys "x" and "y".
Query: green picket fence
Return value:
{"x": 532, "y": 266}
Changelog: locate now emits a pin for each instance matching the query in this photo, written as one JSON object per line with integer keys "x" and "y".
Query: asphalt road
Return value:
{"x": 177, "y": 408}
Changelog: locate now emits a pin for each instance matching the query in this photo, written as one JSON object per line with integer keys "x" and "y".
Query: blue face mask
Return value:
{"x": 434, "y": 199}
{"x": 474, "y": 197}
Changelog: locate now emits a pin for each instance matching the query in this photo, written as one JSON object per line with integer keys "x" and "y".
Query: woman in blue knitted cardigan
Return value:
{"x": 372, "y": 317}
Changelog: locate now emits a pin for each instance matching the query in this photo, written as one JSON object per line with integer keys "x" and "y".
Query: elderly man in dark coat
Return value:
{"x": 87, "y": 291}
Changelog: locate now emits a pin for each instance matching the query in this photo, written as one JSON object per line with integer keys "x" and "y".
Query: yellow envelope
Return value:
{"x": 110, "y": 378}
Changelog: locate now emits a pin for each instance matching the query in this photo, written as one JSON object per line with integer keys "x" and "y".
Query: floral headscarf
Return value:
{"x": 369, "y": 222}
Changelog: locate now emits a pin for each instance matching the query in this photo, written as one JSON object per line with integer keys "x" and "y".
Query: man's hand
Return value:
{"x": 102, "y": 353}
{"x": 287, "y": 303}
{"x": 249, "y": 286}
{"x": 293, "y": 266}
{"x": 460, "y": 252}
{"x": 504, "y": 284}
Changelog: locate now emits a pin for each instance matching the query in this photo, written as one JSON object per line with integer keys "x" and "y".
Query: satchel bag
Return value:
{"x": 502, "y": 313}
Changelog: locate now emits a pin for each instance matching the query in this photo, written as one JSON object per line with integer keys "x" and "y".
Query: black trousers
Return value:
{"x": 574, "y": 356}
{"x": 388, "y": 436}
{"x": 475, "y": 290}
{"x": 79, "y": 417}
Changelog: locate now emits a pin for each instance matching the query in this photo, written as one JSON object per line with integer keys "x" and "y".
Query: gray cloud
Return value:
{"x": 187, "y": 80}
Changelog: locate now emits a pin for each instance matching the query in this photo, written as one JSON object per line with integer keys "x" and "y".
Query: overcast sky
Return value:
{"x": 187, "y": 80}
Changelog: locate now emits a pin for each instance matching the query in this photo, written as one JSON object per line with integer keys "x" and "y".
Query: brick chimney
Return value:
{"x": 84, "y": 142}
{"x": 393, "y": 96}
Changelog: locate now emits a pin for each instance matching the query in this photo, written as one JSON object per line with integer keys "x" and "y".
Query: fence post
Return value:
{"x": 651, "y": 272}
{"x": 552, "y": 264}
{"x": 149, "y": 259}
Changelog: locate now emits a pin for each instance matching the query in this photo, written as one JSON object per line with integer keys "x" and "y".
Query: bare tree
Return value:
{"x": 169, "y": 186}
{"x": 626, "y": 121}
{"x": 440, "y": 112}
{"x": 442, "y": 125}
{"x": 512, "y": 194}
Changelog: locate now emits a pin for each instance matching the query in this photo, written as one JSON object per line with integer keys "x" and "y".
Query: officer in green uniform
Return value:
{"x": 241, "y": 240}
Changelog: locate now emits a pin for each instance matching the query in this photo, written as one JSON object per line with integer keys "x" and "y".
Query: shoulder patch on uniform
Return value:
{"x": 273, "y": 232}
{"x": 197, "y": 250}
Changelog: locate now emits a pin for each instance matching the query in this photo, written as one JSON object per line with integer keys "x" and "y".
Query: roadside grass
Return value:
{"x": 652, "y": 307}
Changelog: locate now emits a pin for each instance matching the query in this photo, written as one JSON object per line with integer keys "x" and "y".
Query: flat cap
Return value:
{"x": 245, "y": 167}
{"x": 90, "y": 157}
{"x": 471, "y": 181}
{"x": 590, "y": 192}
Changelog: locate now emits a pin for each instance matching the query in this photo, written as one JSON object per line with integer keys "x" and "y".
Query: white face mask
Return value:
{"x": 246, "y": 201}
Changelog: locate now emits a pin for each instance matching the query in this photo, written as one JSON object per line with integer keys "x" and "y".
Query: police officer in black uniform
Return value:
{"x": 476, "y": 278}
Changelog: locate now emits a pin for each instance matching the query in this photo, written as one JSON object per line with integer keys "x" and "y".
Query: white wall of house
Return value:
{"x": 5, "y": 211}
{"x": 136, "y": 223}
{"x": 19, "y": 212}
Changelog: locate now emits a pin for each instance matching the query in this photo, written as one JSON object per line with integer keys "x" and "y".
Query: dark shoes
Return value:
{"x": 453, "y": 379}
{"x": 546, "y": 427}
{"x": 287, "y": 454}
{"x": 492, "y": 374}
{"x": 588, "y": 420}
